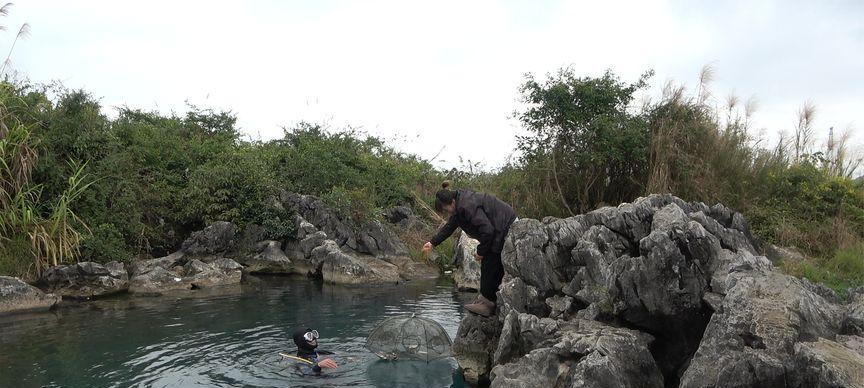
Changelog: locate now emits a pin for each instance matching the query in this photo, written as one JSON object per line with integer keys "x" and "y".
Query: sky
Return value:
{"x": 439, "y": 79}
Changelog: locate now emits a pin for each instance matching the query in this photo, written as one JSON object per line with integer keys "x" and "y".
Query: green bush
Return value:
{"x": 104, "y": 244}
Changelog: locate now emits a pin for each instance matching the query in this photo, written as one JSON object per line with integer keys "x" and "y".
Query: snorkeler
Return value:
{"x": 307, "y": 342}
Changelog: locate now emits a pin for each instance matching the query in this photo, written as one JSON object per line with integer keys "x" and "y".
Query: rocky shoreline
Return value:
{"x": 654, "y": 293}
{"x": 657, "y": 293}
{"x": 325, "y": 247}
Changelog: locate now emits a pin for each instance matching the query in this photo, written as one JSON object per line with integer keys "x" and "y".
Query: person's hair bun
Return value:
{"x": 445, "y": 185}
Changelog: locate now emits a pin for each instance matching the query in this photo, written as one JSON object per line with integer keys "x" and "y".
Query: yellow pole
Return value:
{"x": 297, "y": 358}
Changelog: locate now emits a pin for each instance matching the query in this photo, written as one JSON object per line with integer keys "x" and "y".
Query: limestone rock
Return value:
{"x": 467, "y": 273}
{"x": 85, "y": 280}
{"x": 17, "y": 296}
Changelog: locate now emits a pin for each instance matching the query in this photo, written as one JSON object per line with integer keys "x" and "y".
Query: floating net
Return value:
{"x": 409, "y": 337}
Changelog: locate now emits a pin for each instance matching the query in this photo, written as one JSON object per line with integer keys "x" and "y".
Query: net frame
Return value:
{"x": 392, "y": 339}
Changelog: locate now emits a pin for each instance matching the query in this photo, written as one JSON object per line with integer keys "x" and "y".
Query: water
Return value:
{"x": 227, "y": 337}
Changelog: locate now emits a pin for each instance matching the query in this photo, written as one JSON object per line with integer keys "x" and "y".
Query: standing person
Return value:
{"x": 486, "y": 219}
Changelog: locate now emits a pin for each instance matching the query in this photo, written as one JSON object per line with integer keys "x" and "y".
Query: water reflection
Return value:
{"x": 221, "y": 338}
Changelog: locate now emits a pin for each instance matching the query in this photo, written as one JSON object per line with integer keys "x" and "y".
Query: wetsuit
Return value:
{"x": 306, "y": 352}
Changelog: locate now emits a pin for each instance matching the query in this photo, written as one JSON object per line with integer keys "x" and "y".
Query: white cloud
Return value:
{"x": 436, "y": 74}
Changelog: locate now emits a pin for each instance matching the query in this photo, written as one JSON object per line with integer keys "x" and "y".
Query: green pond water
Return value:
{"x": 227, "y": 337}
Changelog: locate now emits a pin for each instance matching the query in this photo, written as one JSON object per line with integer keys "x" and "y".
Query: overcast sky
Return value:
{"x": 433, "y": 74}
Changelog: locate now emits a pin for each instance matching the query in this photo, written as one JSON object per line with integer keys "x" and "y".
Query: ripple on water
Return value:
{"x": 229, "y": 338}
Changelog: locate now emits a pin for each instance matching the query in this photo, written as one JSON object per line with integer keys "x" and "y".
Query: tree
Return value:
{"x": 584, "y": 138}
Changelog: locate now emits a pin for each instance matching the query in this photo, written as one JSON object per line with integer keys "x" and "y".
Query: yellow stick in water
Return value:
{"x": 297, "y": 358}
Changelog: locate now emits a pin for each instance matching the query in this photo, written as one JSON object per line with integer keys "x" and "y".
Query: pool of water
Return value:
{"x": 227, "y": 337}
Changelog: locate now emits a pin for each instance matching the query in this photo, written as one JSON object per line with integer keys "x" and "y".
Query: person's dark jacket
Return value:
{"x": 483, "y": 217}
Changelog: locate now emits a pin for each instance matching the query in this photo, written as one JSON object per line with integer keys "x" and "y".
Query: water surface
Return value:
{"x": 228, "y": 337}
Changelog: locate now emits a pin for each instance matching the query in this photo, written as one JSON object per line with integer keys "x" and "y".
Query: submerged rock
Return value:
{"x": 17, "y": 296}
{"x": 85, "y": 280}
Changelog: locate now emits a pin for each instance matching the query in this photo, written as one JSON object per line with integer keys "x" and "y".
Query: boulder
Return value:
{"x": 758, "y": 340}
{"x": 340, "y": 267}
{"x": 824, "y": 364}
{"x": 467, "y": 273}
{"x": 174, "y": 272}
{"x": 534, "y": 352}
{"x": 17, "y": 296}
{"x": 474, "y": 345}
{"x": 85, "y": 280}
{"x": 218, "y": 237}
{"x": 853, "y": 321}
{"x": 267, "y": 257}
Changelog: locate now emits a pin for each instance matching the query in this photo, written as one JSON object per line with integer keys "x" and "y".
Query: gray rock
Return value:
{"x": 824, "y": 364}
{"x": 267, "y": 257}
{"x": 473, "y": 347}
{"x": 157, "y": 281}
{"x": 139, "y": 267}
{"x": 345, "y": 268}
{"x": 17, "y": 296}
{"x": 559, "y": 306}
{"x": 669, "y": 217}
{"x": 379, "y": 240}
{"x": 317, "y": 213}
{"x": 853, "y": 321}
{"x": 752, "y": 342}
{"x": 467, "y": 273}
{"x": 85, "y": 280}
{"x": 217, "y": 237}
{"x": 573, "y": 354}
{"x": 157, "y": 276}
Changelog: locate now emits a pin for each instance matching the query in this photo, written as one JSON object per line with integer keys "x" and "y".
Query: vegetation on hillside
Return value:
{"x": 76, "y": 184}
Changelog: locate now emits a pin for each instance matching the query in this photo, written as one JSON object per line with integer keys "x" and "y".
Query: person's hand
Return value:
{"x": 328, "y": 363}
{"x": 427, "y": 247}
{"x": 478, "y": 257}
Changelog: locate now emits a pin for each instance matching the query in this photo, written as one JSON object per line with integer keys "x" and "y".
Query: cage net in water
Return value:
{"x": 409, "y": 337}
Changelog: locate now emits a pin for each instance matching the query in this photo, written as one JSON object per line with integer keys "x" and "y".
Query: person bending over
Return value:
{"x": 486, "y": 219}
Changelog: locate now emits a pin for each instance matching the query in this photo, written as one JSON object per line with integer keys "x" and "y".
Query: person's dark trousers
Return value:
{"x": 491, "y": 273}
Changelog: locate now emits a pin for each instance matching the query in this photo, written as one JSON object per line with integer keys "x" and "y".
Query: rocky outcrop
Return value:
{"x": 176, "y": 272}
{"x": 544, "y": 352}
{"x": 474, "y": 345}
{"x": 314, "y": 253}
{"x": 85, "y": 280}
{"x": 345, "y": 268}
{"x": 17, "y": 296}
{"x": 248, "y": 247}
{"x": 371, "y": 237}
{"x": 266, "y": 257}
{"x": 217, "y": 238}
{"x": 467, "y": 273}
{"x": 660, "y": 288}
{"x": 774, "y": 331}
